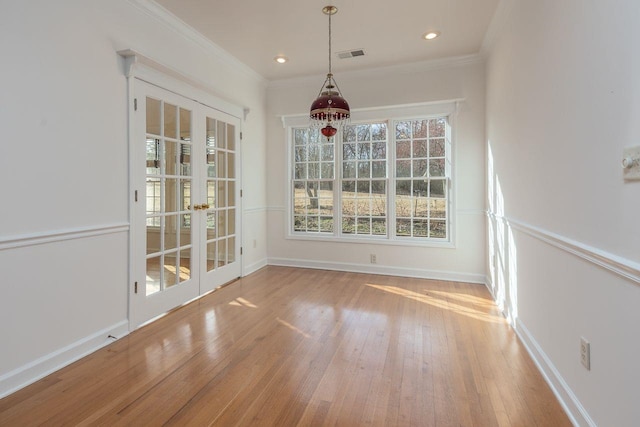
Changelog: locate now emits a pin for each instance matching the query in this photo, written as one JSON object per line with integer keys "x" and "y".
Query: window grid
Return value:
{"x": 393, "y": 180}
{"x": 313, "y": 181}
{"x": 364, "y": 179}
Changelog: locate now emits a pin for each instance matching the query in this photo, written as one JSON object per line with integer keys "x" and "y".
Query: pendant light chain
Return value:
{"x": 330, "y": 42}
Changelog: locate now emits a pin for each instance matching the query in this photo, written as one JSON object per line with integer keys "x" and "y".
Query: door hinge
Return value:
{"x": 136, "y": 195}
{"x": 135, "y": 287}
{"x": 240, "y": 193}
{"x": 135, "y": 104}
{"x": 240, "y": 250}
{"x": 240, "y": 136}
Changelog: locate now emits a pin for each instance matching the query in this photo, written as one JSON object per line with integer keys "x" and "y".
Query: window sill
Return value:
{"x": 381, "y": 240}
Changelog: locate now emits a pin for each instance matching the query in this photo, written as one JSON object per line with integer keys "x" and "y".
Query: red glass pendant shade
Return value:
{"x": 328, "y": 131}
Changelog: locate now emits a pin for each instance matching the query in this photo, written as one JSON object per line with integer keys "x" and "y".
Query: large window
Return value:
{"x": 381, "y": 180}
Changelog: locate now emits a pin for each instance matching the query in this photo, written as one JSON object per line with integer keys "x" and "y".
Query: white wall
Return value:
{"x": 563, "y": 99}
{"x": 427, "y": 82}
{"x": 63, "y": 169}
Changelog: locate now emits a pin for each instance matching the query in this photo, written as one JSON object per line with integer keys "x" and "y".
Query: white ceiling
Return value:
{"x": 255, "y": 31}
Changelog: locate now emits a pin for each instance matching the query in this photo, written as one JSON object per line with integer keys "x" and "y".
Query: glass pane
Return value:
{"x": 300, "y": 154}
{"x": 420, "y": 168}
{"x": 379, "y": 226}
{"x": 379, "y": 169}
{"x": 403, "y": 168}
{"x": 420, "y": 228}
{"x": 326, "y": 224}
{"x": 438, "y": 208}
{"x": 170, "y": 232}
{"x": 170, "y": 275}
{"x": 222, "y": 135}
{"x": 153, "y": 156}
{"x": 211, "y": 193}
{"x": 379, "y": 150}
{"x": 185, "y": 194}
{"x": 211, "y": 162}
{"x": 185, "y": 159}
{"x": 221, "y": 162}
{"x": 403, "y": 150}
{"x": 420, "y": 148}
{"x": 300, "y": 136}
{"x": 348, "y": 225}
{"x": 172, "y": 195}
{"x": 153, "y": 275}
{"x": 300, "y": 171}
{"x": 326, "y": 170}
{"x": 313, "y": 151}
{"x": 348, "y": 206}
{"x": 222, "y": 223}
{"x": 185, "y": 230}
{"x": 349, "y": 151}
{"x": 231, "y": 137}
{"x": 403, "y": 227}
{"x": 436, "y": 148}
{"x": 437, "y": 128}
{"x": 153, "y": 239}
{"x": 363, "y": 133}
{"x": 363, "y": 226}
{"x": 211, "y": 226}
{"x": 436, "y": 167}
{"x": 231, "y": 165}
{"x": 153, "y": 195}
{"x": 299, "y": 223}
{"x": 364, "y": 150}
{"x": 171, "y": 158}
{"x": 185, "y": 265}
{"x": 211, "y": 256}
{"x": 438, "y": 229}
{"x": 363, "y": 207}
{"x": 421, "y": 207}
{"x": 436, "y": 188}
{"x": 170, "y": 120}
{"x": 420, "y": 129}
{"x": 185, "y": 125}
{"x": 379, "y": 131}
{"x": 349, "y": 133}
{"x": 222, "y": 194}
{"x": 364, "y": 170}
{"x": 327, "y": 152}
{"x": 231, "y": 193}
{"x": 211, "y": 132}
{"x": 153, "y": 116}
{"x": 231, "y": 250}
{"x": 364, "y": 188}
{"x": 403, "y": 130}
{"x": 222, "y": 252}
{"x": 349, "y": 169}
{"x": 231, "y": 217}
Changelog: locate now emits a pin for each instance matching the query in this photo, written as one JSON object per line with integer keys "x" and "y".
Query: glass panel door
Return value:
{"x": 185, "y": 227}
{"x": 221, "y": 186}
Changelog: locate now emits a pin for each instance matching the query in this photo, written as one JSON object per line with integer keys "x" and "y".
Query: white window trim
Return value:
{"x": 448, "y": 108}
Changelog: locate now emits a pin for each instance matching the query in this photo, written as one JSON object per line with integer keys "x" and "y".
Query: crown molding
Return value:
{"x": 408, "y": 68}
{"x": 169, "y": 20}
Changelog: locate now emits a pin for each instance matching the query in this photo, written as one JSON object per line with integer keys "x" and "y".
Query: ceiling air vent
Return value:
{"x": 350, "y": 53}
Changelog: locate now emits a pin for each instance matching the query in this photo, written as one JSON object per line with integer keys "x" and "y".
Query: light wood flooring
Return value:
{"x": 287, "y": 347}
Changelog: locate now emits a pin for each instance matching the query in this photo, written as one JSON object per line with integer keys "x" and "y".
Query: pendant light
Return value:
{"x": 330, "y": 110}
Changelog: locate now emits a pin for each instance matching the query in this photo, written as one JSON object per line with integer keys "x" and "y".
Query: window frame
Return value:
{"x": 389, "y": 115}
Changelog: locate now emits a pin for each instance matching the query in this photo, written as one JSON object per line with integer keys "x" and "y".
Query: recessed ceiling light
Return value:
{"x": 431, "y": 35}
{"x": 281, "y": 59}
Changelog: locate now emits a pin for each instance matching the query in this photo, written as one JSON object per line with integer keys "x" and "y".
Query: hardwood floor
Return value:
{"x": 287, "y": 346}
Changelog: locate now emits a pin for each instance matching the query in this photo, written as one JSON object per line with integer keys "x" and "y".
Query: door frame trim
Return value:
{"x": 137, "y": 66}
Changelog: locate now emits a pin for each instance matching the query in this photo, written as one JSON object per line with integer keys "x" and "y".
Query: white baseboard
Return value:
{"x": 380, "y": 269}
{"x": 575, "y": 411}
{"x": 40, "y": 368}
{"x": 252, "y": 268}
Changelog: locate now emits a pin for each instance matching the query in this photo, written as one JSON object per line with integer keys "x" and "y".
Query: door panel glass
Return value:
{"x": 185, "y": 265}
{"x": 231, "y": 250}
{"x": 170, "y": 232}
{"x": 222, "y": 221}
{"x": 222, "y": 252}
{"x": 231, "y": 193}
{"x": 185, "y": 159}
{"x": 222, "y": 194}
{"x": 185, "y": 230}
{"x": 170, "y": 122}
{"x": 153, "y": 116}
{"x": 153, "y": 275}
{"x": 211, "y": 256}
{"x": 171, "y": 195}
{"x": 211, "y": 193}
{"x": 211, "y": 226}
{"x": 231, "y": 137}
{"x": 170, "y": 154}
{"x": 185, "y": 125}
{"x": 169, "y": 273}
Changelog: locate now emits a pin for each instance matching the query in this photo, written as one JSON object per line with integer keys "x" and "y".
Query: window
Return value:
{"x": 383, "y": 180}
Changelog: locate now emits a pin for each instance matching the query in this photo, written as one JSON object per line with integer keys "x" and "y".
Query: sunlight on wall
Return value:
{"x": 503, "y": 260}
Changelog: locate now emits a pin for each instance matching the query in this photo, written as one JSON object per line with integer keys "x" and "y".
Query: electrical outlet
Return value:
{"x": 373, "y": 258}
{"x": 585, "y": 353}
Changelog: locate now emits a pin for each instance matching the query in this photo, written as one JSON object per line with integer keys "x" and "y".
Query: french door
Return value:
{"x": 185, "y": 216}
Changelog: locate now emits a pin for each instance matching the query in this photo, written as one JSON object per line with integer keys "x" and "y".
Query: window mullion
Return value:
{"x": 391, "y": 181}
{"x": 337, "y": 185}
